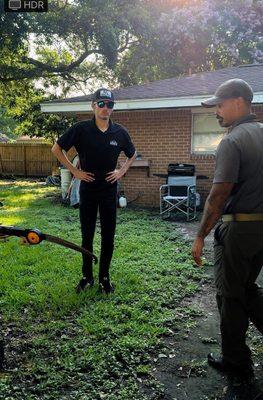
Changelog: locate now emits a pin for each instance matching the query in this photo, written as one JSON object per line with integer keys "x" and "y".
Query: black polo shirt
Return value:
{"x": 98, "y": 151}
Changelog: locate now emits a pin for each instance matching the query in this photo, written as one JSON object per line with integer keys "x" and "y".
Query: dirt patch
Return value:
{"x": 183, "y": 370}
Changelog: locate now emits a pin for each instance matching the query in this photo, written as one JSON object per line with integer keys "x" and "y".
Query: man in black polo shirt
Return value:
{"x": 237, "y": 192}
{"x": 98, "y": 142}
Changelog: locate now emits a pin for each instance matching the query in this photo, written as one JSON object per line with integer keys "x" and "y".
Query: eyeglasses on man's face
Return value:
{"x": 108, "y": 104}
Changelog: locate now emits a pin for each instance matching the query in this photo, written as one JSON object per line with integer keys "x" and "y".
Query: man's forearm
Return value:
{"x": 212, "y": 213}
{"x": 57, "y": 151}
{"x": 214, "y": 206}
{"x": 128, "y": 163}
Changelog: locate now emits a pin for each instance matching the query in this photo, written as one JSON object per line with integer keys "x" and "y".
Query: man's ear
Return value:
{"x": 241, "y": 103}
{"x": 93, "y": 105}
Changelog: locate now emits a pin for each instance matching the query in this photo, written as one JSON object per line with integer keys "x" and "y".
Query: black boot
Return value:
{"x": 224, "y": 366}
{"x": 249, "y": 389}
{"x": 84, "y": 284}
{"x": 105, "y": 286}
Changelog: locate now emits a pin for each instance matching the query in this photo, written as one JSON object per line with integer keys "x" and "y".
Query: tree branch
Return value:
{"x": 62, "y": 67}
{"x": 42, "y": 68}
{"x": 127, "y": 43}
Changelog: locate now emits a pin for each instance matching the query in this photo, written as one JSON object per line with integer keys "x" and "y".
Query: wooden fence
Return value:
{"x": 26, "y": 159}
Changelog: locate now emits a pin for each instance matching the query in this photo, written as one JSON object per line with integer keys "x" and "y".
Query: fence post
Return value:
{"x": 25, "y": 161}
{"x": 1, "y": 164}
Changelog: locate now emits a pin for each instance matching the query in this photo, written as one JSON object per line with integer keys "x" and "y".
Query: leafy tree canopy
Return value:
{"x": 73, "y": 43}
{"x": 119, "y": 42}
{"x": 7, "y": 124}
{"x": 21, "y": 114}
{"x": 197, "y": 35}
{"x": 75, "y": 37}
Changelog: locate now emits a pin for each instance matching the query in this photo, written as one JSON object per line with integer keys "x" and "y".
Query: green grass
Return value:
{"x": 85, "y": 347}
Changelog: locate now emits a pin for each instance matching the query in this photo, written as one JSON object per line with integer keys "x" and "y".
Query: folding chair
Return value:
{"x": 179, "y": 194}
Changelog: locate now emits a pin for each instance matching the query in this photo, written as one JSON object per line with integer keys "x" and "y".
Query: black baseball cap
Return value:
{"x": 230, "y": 89}
{"x": 103, "y": 94}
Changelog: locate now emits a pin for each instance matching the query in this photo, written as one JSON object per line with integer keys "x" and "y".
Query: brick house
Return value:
{"x": 167, "y": 124}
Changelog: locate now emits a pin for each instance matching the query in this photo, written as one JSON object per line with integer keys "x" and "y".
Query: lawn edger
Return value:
{"x": 35, "y": 236}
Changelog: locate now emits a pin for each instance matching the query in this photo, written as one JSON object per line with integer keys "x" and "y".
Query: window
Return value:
{"x": 206, "y": 133}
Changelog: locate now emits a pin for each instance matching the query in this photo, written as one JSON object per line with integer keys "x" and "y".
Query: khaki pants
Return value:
{"x": 238, "y": 252}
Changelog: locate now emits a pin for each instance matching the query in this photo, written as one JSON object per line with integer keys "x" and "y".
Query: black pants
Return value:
{"x": 91, "y": 201}
{"x": 238, "y": 250}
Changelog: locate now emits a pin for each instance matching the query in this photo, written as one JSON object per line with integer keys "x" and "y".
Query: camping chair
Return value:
{"x": 179, "y": 194}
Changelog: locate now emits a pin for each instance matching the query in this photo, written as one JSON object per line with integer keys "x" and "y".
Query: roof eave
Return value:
{"x": 138, "y": 104}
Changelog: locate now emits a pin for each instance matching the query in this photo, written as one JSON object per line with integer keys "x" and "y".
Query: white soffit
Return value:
{"x": 144, "y": 104}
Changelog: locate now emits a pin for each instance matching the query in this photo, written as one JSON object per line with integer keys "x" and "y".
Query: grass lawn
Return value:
{"x": 61, "y": 345}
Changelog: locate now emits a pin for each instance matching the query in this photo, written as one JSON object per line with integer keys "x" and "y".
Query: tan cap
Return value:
{"x": 230, "y": 89}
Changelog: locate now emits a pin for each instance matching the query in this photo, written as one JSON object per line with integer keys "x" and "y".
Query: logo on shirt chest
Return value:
{"x": 113, "y": 143}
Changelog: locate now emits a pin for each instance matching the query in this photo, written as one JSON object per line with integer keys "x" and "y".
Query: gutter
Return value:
{"x": 139, "y": 104}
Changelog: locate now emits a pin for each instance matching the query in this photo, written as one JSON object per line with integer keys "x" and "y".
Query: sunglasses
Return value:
{"x": 108, "y": 104}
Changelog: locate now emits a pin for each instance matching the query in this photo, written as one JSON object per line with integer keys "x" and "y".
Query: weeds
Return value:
{"x": 86, "y": 347}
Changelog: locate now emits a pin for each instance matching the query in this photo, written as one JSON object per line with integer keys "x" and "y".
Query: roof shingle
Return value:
{"x": 204, "y": 83}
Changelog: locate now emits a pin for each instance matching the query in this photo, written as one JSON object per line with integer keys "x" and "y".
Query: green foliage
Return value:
{"x": 82, "y": 43}
{"x": 88, "y": 346}
{"x": 21, "y": 101}
{"x": 7, "y": 124}
{"x": 74, "y": 44}
{"x": 139, "y": 40}
{"x": 195, "y": 35}
{"x": 71, "y": 34}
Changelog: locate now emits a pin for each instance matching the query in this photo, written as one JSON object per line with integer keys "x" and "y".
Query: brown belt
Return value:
{"x": 242, "y": 217}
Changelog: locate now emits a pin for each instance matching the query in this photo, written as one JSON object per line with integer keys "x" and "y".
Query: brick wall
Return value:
{"x": 162, "y": 136}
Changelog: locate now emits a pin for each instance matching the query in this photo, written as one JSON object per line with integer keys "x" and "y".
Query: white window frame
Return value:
{"x": 194, "y": 112}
